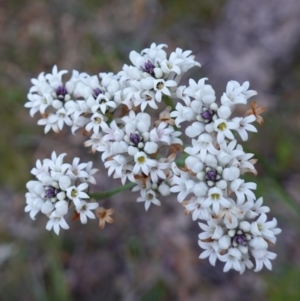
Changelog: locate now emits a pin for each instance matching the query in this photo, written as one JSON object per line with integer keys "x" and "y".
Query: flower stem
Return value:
{"x": 107, "y": 194}
{"x": 168, "y": 101}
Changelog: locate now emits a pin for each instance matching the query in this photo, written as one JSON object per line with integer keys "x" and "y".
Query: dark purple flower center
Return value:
{"x": 96, "y": 92}
{"x": 149, "y": 68}
{"x": 211, "y": 175}
{"x": 207, "y": 115}
{"x": 135, "y": 138}
{"x": 51, "y": 192}
{"x": 61, "y": 92}
{"x": 240, "y": 239}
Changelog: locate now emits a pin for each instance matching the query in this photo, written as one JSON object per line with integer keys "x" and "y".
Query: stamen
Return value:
{"x": 50, "y": 192}
{"x": 207, "y": 115}
{"x": 61, "y": 92}
{"x": 96, "y": 92}
{"x": 149, "y": 68}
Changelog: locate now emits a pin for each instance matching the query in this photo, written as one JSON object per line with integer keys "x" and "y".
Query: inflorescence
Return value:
{"x": 114, "y": 110}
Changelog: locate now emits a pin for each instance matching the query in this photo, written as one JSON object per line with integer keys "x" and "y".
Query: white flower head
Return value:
{"x": 143, "y": 163}
{"x": 77, "y": 193}
{"x": 85, "y": 212}
{"x": 149, "y": 197}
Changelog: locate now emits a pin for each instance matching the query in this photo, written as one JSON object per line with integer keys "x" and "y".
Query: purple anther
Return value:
{"x": 135, "y": 138}
{"x": 149, "y": 68}
{"x": 61, "y": 92}
{"x": 96, "y": 92}
{"x": 240, "y": 239}
{"x": 50, "y": 192}
{"x": 211, "y": 175}
{"x": 207, "y": 115}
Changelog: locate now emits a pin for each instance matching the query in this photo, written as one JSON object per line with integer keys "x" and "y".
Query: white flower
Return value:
{"x": 56, "y": 165}
{"x": 85, "y": 212}
{"x": 224, "y": 242}
{"x": 242, "y": 189}
{"x": 203, "y": 145}
{"x": 79, "y": 123}
{"x": 228, "y": 153}
{"x": 223, "y": 128}
{"x": 224, "y": 112}
{"x": 143, "y": 163}
{"x": 171, "y": 65}
{"x": 60, "y": 209}
{"x": 94, "y": 142}
{"x": 198, "y": 212}
{"x": 76, "y": 170}
{"x": 40, "y": 169}
{"x": 40, "y": 85}
{"x": 126, "y": 174}
{"x": 230, "y": 216}
{"x": 263, "y": 257}
{"x": 116, "y": 165}
{"x": 76, "y": 194}
{"x": 113, "y": 132}
{"x": 245, "y": 262}
{"x": 265, "y": 229}
{"x": 188, "y": 59}
{"x": 149, "y": 197}
{"x": 49, "y": 122}
{"x": 257, "y": 209}
{"x": 211, "y": 250}
{"x": 150, "y": 147}
{"x": 157, "y": 172}
{"x": 137, "y": 59}
{"x": 216, "y": 200}
{"x": 230, "y": 173}
{"x": 90, "y": 171}
{"x": 174, "y": 139}
{"x": 236, "y": 94}
{"x": 200, "y": 189}
{"x": 155, "y": 52}
{"x": 245, "y": 163}
{"x": 54, "y": 79}
{"x": 38, "y": 103}
{"x": 195, "y": 129}
{"x": 97, "y": 121}
{"x": 102, "y": 103}
{"x": 145, "y": 98}
{"x": 164, "y": 189}
{"x": 232, "y": 259}
{"x": 212, "y": 230}
{"x": 194, "y": 164}
{"x": 182, "y": 114}
{"x": 77, "y": 108}
{"x": 244, "y": 126}
{"x": 56, "y": 222}
{"x": 258, "y": 243}
{"x": 162, "y": 87}
{"x": 140, "y": 122}
{"x": 200, "y": 91}
{"x": 161, "y": 133}
{"x": 33, "y": 204}
{"x": 183, "y": 184}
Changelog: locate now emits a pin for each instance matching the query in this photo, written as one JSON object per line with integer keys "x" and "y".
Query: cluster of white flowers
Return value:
{"x": 59, "y": 187}
{"x": 111, "y": 109}
{"x": 210, "y": 186}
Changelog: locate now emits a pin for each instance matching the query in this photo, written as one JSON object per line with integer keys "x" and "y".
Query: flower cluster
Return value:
{"x": 210, "y": 187}
{"x": 137, "y": 145}
{"x": 59, "y": 187}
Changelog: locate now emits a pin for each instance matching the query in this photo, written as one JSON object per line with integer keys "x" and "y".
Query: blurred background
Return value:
{"x": 149, "y": 256}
